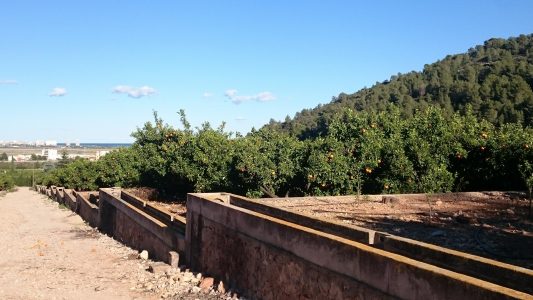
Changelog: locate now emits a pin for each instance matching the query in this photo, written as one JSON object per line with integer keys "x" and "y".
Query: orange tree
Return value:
{"x": 206, "y": 159}
{"x": 428, "y": 141}
{"x": 360, "y": 152}
{"x": 507, "y": 150}
{"x": 79, "y": 174}
{"x": 267, "y": 163}
{"x": 344, "y": 161}
{"x": 177, "y": 161}
{"x": 120, "y": 167}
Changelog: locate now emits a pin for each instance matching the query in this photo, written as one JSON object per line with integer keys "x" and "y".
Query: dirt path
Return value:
{"x": 47, "y": 252}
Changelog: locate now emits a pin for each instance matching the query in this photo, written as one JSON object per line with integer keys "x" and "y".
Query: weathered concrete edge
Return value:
{"x": 53, "y": 190}
{"x": 156, "y": 227}
{"x": 70, "y": 199}
{"x": 217, "y": 211}
{"x": 508, "y": 275}
{"x": 60, "y": 192}
{"x": 497, "y": 272}
{"x": 83, "y": 203}
{"x": 80, "y": 197}
{"x": 164, "y": 216}
{"x": 355, "y": 233}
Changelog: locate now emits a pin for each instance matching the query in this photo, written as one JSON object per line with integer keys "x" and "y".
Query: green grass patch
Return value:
{"x": 22, "y": 177}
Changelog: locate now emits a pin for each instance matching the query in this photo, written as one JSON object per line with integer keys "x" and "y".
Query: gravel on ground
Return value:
{"x": 48, "y": 252}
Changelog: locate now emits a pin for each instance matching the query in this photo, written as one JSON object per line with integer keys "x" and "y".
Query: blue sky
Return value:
{"x": 94, "y": 71}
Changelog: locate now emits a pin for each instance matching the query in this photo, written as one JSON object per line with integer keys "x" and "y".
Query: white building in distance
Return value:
{"x": 50, "y": 154}
{"x": 101, "y": 153}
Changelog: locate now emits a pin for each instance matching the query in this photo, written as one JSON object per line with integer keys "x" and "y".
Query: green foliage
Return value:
{"x": 21, "y": 165}
{"x": 37, "y": 157}
{"x": 495, "y": 79}
{"x": 3, "y": 157}
{"x": 267, "y": 163}
{"x": 6, "y": 182}
{"x": 526, "y": 169}
{"x": 361, "y": 152}
{"x": 64, "y": 160}
{"x": 463, "y": 123}
{"x": 120, "y": 168}
{"x": 21, "y": 177}
{"x": 79, "y": 174}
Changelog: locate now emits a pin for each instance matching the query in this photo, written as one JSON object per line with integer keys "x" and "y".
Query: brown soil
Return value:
{"x": 493, "y": 224}
{"x": 175, "y": 208}
{"x": 150, "y": 195}
{"x": 145, "y": 193}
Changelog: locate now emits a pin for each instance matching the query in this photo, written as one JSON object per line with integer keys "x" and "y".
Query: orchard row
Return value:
{"x": 360, "y": 153}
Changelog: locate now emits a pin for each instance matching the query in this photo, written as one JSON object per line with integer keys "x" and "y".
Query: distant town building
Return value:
{"x": 50, "y": 154}
{"x": 50, "y": 143}
{"x": 19, "y": 157}
{"x": 101, "y": 153}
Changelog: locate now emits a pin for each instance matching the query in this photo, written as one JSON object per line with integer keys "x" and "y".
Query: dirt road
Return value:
{"x": 48, "y": 252}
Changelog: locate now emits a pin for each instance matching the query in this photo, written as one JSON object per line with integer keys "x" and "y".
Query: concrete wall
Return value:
{"x": 59, "y": 195}
{"x": 354, "y": 233}
{"x": 487, "y": 269}
{"x": 53, "y": 190}
{"x": 69, "y": 199}
{"x": 270, "y": 258}
{"x": 140, "y": 228}
{"x": 490, "y": 270}
{"x": 87, "y": 207}
{"x": 270, "y": 253}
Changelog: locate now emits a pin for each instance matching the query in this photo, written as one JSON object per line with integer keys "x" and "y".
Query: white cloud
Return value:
{"x": 58, "y": 92}
{"x": 207, "y": 95}
{"x": 230, "y": 93}
{"x": 8, "y": 81}
{"x": 134, "y": 92}
{"x": 260, "y": 97}
{"x": 239, "y": 119}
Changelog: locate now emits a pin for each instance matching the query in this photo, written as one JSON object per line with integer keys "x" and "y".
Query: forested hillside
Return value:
{"x": 496, "y": 79}
{"x": 472, "y": 132}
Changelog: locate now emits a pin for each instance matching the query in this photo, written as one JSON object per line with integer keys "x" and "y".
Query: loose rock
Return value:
{"x": 144, "y": 255}
{"x": 158, "y": 268}
{"x": 174, "y": 259}
{"x": 207, "y": 283}
{"x": 392, "y": 200}
{"x": 220, "y": 288}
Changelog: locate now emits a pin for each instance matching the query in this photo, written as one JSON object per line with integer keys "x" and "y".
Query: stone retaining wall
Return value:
{"x": 271, "y": 253}
{"x": 141, "y": 226}
{"x": 270, "y": 258}
{"x": 87, "y": 207}
{"x": 59, "y": 195}
{"x": 487, "y": 269}
{"x": 69, "y": 199}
